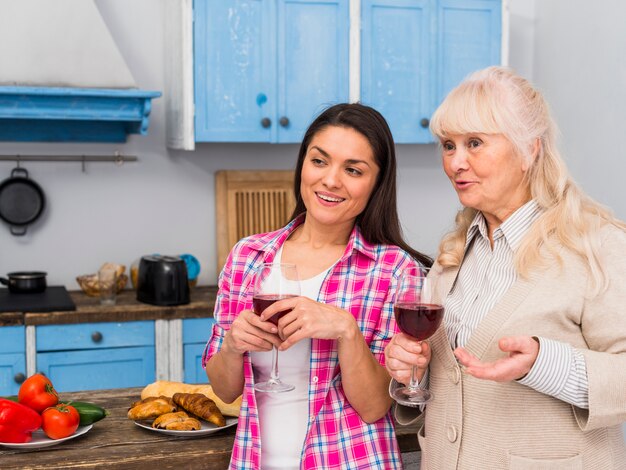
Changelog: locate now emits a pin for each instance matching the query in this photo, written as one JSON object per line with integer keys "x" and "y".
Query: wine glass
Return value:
{"x": 273, "y": 282}
{"x": 417, "y": 315}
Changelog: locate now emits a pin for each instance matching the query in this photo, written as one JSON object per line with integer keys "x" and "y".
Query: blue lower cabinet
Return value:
{"x": 196, "y": 333}
{"x": 72, "y": 371}
{"x": 97, "y": 355}
{"x": 12, "y": 359}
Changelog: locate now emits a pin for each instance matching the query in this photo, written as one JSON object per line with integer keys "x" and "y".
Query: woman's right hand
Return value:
{"x": 249, "y": 333}
{"x": 402, "y": 353}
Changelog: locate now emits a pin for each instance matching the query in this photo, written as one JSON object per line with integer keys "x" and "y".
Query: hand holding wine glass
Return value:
{"x": 417, "y": 315}
{"x": 274, "y": 282}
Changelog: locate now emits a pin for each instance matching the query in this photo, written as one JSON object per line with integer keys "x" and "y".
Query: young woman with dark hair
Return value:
{"x": 346, "y": 243}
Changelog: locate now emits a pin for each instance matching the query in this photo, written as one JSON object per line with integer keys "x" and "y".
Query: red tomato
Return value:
{"x": 37, "y": 393}
{"x": 60, "y": 421}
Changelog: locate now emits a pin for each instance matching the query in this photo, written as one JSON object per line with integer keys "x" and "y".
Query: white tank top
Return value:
{"x": 283, "y": 417}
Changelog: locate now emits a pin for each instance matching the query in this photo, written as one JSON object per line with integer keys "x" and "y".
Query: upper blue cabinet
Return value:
{"x": 264, "y": 69}
{"x": 414, "y": 52}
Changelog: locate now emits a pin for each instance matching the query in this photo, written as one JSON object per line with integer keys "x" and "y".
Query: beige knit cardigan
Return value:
{"x": 481, "y": 424}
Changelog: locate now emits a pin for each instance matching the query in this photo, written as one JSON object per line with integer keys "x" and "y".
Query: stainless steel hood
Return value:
{"x": 62, "y": 77}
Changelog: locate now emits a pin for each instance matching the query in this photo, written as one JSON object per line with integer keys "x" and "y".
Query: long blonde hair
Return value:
{"x": 495, "y": 100}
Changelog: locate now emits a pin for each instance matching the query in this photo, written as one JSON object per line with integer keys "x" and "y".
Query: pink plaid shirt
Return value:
{"x": 362, "y": 282}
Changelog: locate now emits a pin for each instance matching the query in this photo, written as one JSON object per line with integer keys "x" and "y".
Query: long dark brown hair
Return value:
{"x": 379, "y": 222}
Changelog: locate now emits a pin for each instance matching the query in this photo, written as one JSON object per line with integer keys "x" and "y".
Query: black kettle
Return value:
{"x": 162, "y": 280}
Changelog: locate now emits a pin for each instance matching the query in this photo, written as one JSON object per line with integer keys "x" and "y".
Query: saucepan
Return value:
{"x": 25, "y": 282}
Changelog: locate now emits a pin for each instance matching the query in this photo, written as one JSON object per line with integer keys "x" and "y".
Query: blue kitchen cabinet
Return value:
{"x": 12, "y": 359}
{"x": 196, "y": 333}
{"x": 413, "y": 52}
{"x": 97, "y": 355}
{"x": 264, "y": 69}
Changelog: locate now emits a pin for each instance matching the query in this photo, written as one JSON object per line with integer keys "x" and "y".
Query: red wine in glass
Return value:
{"x": 418, "y": 320}
{"x": 263, "y": 301}
{"x": 274, "y": 282}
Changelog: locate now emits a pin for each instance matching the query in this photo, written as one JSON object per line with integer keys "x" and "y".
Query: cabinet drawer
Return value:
{"x": 12, "y": 339}
{"x": 98, "y": 369}
{"x": 94, "y": 336}
{"x": 197, "y": 330}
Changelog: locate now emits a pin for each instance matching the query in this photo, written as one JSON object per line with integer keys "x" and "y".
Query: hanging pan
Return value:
{"x": 22, "y": 201}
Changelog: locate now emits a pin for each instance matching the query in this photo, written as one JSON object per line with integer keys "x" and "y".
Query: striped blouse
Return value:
{"x": 485, "y": 276}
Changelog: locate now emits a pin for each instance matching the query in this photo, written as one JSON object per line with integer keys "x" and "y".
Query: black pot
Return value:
{"x": 25, "y": 282}
{"x": 22, "y": 201}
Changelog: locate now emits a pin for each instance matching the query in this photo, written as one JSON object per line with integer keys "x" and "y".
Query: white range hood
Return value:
{"x": 62, "y": 76}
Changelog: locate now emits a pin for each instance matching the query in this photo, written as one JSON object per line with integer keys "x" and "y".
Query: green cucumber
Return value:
{"x": 89, "y": 413}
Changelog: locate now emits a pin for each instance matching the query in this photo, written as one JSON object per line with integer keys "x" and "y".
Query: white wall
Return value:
{"x": 165, "y": 202}
{"x": 580, "y": 65}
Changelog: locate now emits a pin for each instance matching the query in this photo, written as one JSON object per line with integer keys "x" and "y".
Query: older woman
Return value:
{"x": 529, "y": 367}
{"x": 345, "y": 239}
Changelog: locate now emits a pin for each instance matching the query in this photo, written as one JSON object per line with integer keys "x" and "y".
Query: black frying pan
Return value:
{"x": 22, "y": 201}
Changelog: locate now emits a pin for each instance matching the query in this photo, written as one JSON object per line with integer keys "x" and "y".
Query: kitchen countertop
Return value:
{"x": 127, "y": 308}
{"x": 116, "y": 442}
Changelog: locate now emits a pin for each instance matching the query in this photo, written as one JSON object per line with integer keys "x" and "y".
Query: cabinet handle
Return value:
{"x": 424, "y": 122}
{"x": 266, "y": 122}
{"x": 19, "y": 378}
{"x": 284, "y": 121}
{"x": 96, "y": 337}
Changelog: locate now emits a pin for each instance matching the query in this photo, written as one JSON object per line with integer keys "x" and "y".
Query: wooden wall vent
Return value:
{"x": 249, "y": 202}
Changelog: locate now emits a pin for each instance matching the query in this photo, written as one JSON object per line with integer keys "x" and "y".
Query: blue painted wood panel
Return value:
{"x": 10, "y": 365}
{"x": 234, "y": 70}
{"x": 196, "y": 333}
{"x": 99, "y": 368}
{"x": 197, "y": 330}
{"x": 313, "y": 51}
{"x": 12, "y": 339}
{"x": 469, "y": 38}
{"x": 194, "y": 373}
{"x": 94, "y": 335}
{"x": 397, "y": 64}
{"x": 53, "y": 114}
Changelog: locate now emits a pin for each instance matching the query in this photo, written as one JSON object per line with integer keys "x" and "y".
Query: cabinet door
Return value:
{"x": 469, "y": 39}
{"x": 313, "y": 70}
{"x": 97, "y": 355}
{"x": 196, "y": 333}
{"x": 12, "y": 359}
{"x": 234, "y": 70}
{"x": 397, "y": 66}
{"x": 72, "y": 371}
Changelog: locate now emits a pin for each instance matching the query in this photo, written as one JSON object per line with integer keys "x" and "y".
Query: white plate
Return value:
{"x": 207, "y": 428}
{"x": 41, "y": 440}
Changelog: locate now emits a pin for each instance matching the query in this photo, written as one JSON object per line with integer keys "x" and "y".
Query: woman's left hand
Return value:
{"x": 523, "y": 351}
{"x": 310, "y": 319}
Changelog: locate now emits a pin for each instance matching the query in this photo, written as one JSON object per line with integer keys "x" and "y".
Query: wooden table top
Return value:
{"x": 117, "y": 443}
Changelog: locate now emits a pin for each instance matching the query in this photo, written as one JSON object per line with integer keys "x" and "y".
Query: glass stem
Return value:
{"x": 274, "y": 374}
{"x": 413, "y": 384}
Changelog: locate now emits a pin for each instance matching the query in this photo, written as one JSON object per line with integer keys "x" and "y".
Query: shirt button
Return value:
{"x": 456, "y": 375}
{"x": 315, "y": 379}
{"x": 452, "y": 434}
{"x": 312, "y": 418}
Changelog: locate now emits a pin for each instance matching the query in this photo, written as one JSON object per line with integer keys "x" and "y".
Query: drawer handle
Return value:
{"x": 96, "y": 337}
{"x": 284, "y": 121}
{"x": 424, "y": 122}
{"x": 19, "y": 378}
{"x": 266, "y": 122}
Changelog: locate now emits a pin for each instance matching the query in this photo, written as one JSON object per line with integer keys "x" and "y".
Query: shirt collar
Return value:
{"x": 514, "y": 228}
{"x": 273, "y": 241}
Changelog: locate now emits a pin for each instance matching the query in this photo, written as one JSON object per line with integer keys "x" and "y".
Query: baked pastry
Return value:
{"x": 148, "y": 409}
{"x": 179, "y": 421}
{"x": 200, "y": 406}
{"x": 168, "y": 389}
